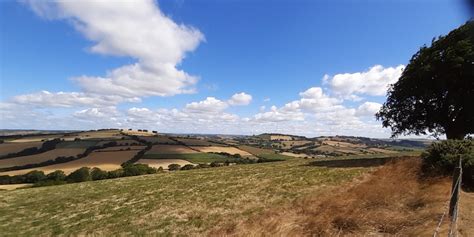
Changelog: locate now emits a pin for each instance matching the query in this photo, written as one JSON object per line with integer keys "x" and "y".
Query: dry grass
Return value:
{"x": 103, "y": 160}
{"x": 7, "y": 148}
{"x": 170, "y": 149}
{"x": 391, "y": 201}
{"x": 230, "y": 150}
{"x": 466, "y": 214}
{"x": 42, "y": 157}
{"x": 35, "y": 138}
{"x": 163, "y": 163}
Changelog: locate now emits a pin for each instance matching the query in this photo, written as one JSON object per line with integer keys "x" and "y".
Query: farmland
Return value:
{"x": 232, "y": 180}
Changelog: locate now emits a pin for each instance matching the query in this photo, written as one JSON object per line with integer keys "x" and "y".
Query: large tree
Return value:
{"x": 435, "y": 93}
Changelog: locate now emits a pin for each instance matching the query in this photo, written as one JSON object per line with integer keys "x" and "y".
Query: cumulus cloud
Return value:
{"x": 373, "y": 82}
{"x": 69, "y": 99}
{"x": 136, "y": 29}
{"x": 240, "y": 99}
{"x": 368, "y": 109}
{"x": 209, "y": 105}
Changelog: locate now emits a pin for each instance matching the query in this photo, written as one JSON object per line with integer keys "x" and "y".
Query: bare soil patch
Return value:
{"x": 7, "y": 148}
{"x": 38, "y": 158}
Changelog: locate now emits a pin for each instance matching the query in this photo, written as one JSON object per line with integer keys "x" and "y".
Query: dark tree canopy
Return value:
{"x": 435, "y": 93}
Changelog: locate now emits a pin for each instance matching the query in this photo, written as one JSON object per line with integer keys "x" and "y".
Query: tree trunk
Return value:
{"x": 455, "y": 134}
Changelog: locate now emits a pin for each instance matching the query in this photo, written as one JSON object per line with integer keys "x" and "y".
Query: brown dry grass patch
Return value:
{"x": 230, "y": 150}
{"x": 393, "y": 200}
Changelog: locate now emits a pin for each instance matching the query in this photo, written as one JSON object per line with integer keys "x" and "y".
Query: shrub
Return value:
{"x": 98, "y": 174}
{"x": 57, "y": 175}
{"x": 442, "y": 157}
{"x": 173, "y": 167}
{"x": 34, "y": 176}
{"x": 137, "y": 169}
{"x": 187, "y": 167}
{"x": 115, "y": 174}
{"x": 80, "y": 175}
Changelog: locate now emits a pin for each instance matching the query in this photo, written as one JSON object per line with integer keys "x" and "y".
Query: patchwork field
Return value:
{"x": 172, "y": 203}
{"x": 7, "y": 148}
{"x": 38, "y": 158}
{"x": 38, "y": 138}
{"x": 217, "y": 149}
{"x": 163, "y": 163}
{"x": 255, "y": 150}
{"x": 104, "y": 160}
{"x": 78, "y": 144}
{"x": 170, "y": 149}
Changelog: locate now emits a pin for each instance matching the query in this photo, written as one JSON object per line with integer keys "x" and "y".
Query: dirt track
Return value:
{"x": 466, "y": 215}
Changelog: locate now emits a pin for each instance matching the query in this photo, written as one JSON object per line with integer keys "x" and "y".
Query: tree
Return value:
{"x": 98, "y": 174}
{"x": 57, "y": 175}
{"x": 435, "y": 92}
{"x": 34, "y": 176}
{"x": 80, "y": 175}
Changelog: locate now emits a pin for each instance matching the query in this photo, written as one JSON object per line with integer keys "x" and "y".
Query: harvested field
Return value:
{"x": 196, "y": 158}
{"x": 184, "y": 203}
{"x": 230, "y": 150}
{"x": 157, "y": 163}
{"x": 289, "y": 144}
{"x": 105, "y": 134}
{"x": 13, "y": 186}
{"x": 138, "y": 133}
{"x": 255, "y": 150}
{"x": 38, "y": 158}
{"x": 343, "y": 144}
{"x": 7, "y": 148}
{"x": 384, "y": 151}
{"x": 121, "y": 148}
{"x": 170, "y": 149}
{"x": 392, "y": 201}
{"x": 295, "y": 155}
{"x": 35, "y": 138}
{"x": 103, "y": 160}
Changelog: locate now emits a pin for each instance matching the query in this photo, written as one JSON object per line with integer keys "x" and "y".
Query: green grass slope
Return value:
{"x": 172, "y": 203}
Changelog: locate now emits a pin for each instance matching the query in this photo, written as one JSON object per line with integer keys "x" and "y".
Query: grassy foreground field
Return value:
{"x": 172, "y": 203}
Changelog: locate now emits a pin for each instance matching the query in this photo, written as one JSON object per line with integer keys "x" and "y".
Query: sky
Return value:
{"x": 300, "y": 67}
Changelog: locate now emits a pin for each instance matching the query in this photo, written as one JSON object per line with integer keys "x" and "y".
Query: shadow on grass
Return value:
{"x": 357, "y": 162}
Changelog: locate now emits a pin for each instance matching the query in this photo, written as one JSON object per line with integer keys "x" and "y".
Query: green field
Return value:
{"x": 77, "y": 144}
{"x": 172, "y": 203}
{"x": 196, "y": 158}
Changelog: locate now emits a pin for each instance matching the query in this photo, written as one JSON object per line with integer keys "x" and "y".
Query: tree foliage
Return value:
{"x": 435, "y": 92}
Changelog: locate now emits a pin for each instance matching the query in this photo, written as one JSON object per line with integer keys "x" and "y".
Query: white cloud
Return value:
{"x": 69, "y": 99}
{"x": 136, "y": 29}
{"x": 209, "y": 105}
{"x": 240, "y": 99}
{"x": 373, "y": 82}
{"x": 368, "y": 109}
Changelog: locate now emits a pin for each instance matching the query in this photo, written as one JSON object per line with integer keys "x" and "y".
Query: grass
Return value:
{"x": 196, "y": 158}
{"x": 172, "y": 203}
{"x": 392, "y": 201}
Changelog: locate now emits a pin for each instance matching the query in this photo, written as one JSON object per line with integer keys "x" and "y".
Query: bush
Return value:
{"x": 137, "y": 169}
{"x": 98, "y": 174}
{"x": 57, "y": 175}
{"x": 34, "y": 176}
{"x": 442, "y": 157}
{"x": 115, "y": 174}
{"x": 173, "y": 167}
{"x": 80, "y": 175}
{"x": 187, "y": 167}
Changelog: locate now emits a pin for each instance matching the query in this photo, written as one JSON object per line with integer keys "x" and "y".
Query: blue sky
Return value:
{"x": 266, "y": 54}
